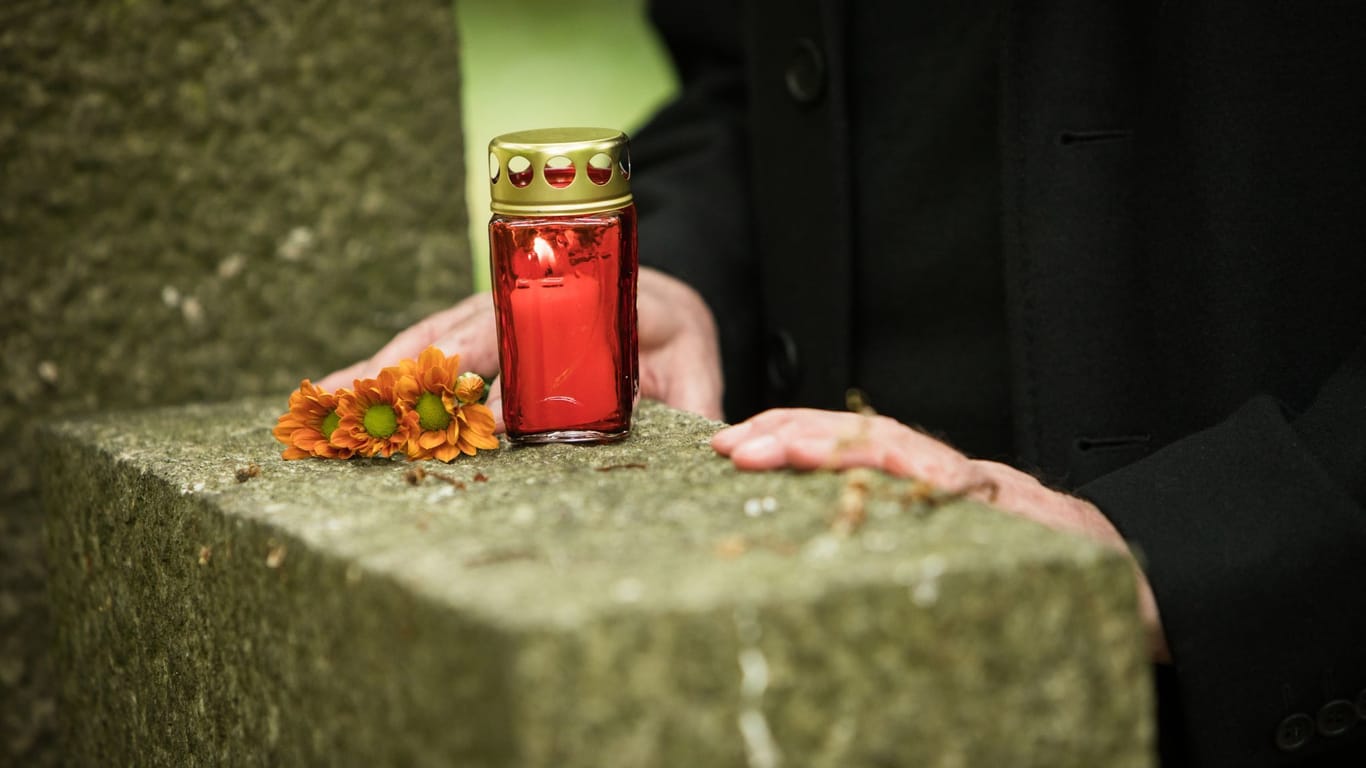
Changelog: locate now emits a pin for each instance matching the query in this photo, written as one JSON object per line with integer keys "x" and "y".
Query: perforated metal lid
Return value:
{"x": 560, "y": 171}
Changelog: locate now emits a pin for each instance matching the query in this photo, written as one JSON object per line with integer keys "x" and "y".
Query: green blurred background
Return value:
{"x": 551, "y": 63}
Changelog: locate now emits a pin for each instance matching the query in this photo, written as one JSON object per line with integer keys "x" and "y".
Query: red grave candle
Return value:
{"x": 562, "y": 247}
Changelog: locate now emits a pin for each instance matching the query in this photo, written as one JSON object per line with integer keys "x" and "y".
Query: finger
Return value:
{"x": 696, "y": 396}
{"x": 426, "y": 332}
{"x": 343, "y": 378}
{"x": 764, "y": 440}
{"x": 763, "y": 452}
{"x": 724, "y": 442}
{"x": 813, "y": 439}
{"x": 495, "y": 404}
{"x": 675, "y": 377}
{"x": 828, "y": 452}
{"x": 772, "y": 421}
{"x": 915, "y": 454}
{"x": 410, "y": 342}
{"x": 476, "y": 341}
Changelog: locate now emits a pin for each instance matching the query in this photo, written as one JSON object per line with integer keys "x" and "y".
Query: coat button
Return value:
{"x": 1337, "y": 717}
{"x": 784, "y": 366}
{"x": 805, "y": 75}
{"x": 1294, "y": 732}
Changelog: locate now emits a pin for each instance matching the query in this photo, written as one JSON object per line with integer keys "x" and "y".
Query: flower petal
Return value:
{"x": 481, "y": 440}
{"x": 479, "y": 417}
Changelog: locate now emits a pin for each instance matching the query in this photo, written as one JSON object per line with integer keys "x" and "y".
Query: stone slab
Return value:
{"x": 200, "y": 201}
{"x": 638, "y": 604}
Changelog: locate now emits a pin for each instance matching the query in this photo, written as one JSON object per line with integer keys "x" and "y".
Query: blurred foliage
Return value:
{"x": 550, "y": 63}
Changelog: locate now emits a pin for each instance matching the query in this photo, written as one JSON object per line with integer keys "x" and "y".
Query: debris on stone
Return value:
{"x": 456, "y": 484}
{"x": 246, "y": 473}
{"x": 480, "y": 477}
{"x": 756, "y": 506}
{"x": 731, "y": 547}
{"x": 47, "y": 372}
{"x": 276, "y": 556}
{"x": 852, "y": 509}
{"x": 927, "y": 497}
{"x": 416, "y": 475}
{"x": 205, "y": 553}
{"x": 192, "y": 311}
{"x": 734, "y": 545}
{"x": 296, "y": 244}
{"x": 232, "y": 266}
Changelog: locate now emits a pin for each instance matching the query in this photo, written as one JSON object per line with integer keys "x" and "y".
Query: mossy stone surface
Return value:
{"x": 200, "y": 201}
{"x": 636, "y": 604}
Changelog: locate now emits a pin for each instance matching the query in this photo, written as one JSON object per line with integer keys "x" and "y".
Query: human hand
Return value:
{"x": 812, "y": 439}
{"x": 466, "y": 329}
{"x": 680, "y": 359}
{"x": 680, "y": 362}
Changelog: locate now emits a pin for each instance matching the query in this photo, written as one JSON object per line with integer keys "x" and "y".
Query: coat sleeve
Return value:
{"x": 690, "y": 183}
{"x": 1253, "y": 535}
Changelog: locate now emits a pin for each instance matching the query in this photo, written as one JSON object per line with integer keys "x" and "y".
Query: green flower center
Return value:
{"x": 329, "y": 425}
{"x": 380, "y": 420}
{"x": 431, "y": 412}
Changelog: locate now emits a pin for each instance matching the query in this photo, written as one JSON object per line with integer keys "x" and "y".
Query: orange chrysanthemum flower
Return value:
{"x": 422, "y": 408}
{"x": 373, "y": 420}
{"x": 427, "y": 386}
{"x": 310, "y": 423}
{"x": 430, "y": 388}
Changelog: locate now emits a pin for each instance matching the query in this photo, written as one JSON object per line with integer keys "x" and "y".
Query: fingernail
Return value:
{"x": 757, "y": 448}
{"x": 725, "y": 440}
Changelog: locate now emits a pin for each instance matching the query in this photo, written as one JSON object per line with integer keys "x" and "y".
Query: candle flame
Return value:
{"x": 544, "y": 253}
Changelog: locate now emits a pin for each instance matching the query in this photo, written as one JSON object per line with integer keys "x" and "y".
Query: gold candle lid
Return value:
{"x": 560, "y": 171}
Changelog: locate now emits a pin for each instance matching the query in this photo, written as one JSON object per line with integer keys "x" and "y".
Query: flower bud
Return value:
{"x": 469, "y": 388}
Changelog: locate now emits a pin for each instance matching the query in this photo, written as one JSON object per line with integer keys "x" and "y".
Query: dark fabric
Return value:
{"x": 692, "y": 194}
{"x": 926, "y": 217}
{"x": 1263, "y": 611}
{"x": 1181, "y": 235}
{"x": 801, "y": 236}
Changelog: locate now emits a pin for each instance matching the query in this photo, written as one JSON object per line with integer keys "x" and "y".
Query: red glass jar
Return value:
{"x": 562, "y": 249}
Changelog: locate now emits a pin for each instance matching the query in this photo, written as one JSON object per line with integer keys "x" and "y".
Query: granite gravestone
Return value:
{"x": 200, "y": 201}
{"x": 633, "y": 605}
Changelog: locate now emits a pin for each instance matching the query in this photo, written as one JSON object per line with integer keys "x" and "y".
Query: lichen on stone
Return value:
{"x": 552, "y": 614}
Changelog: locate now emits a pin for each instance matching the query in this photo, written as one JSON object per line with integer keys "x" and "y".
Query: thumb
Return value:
{"x": 697, "y": 396}
{"x": 692, "y": 388}
{"x": 477, "y": 344}
{"x": 495, "y": 404}
{"x": 468, "y": 328}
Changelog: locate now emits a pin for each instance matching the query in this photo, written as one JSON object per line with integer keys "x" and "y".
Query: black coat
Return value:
{"x": 1168, "y": 262}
